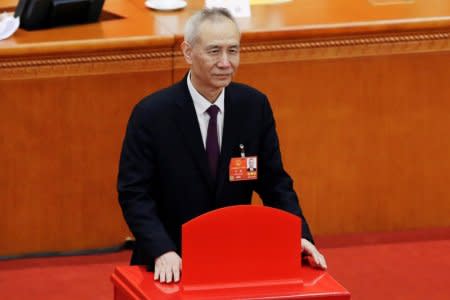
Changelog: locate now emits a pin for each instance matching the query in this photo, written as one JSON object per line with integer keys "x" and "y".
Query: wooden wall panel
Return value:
{"x": 66, "y": 95}
{"x": 361, "y": 102}
{"x": 60, "y": 140}
{"x": 365, "y": 138}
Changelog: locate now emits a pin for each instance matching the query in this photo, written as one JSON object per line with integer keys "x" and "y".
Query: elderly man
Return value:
{"x": 181, "y": 142}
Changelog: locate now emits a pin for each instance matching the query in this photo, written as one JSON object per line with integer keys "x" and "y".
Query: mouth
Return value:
{"x": 222, "y": 75}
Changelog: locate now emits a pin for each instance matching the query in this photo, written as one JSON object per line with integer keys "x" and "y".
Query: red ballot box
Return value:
{"x": 239, "y": 252}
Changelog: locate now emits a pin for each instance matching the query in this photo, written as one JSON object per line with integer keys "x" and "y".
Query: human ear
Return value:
{"x": 186, "y": 48}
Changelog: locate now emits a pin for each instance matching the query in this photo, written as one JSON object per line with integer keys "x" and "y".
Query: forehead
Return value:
{"x": 218, "y": 32}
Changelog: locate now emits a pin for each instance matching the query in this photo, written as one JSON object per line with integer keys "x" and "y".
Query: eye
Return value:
{"x": 213, "y": 51}
{"x": 233, "y": 50}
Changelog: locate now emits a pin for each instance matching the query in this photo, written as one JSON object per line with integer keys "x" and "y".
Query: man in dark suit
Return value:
{"x": 180, "y": 141}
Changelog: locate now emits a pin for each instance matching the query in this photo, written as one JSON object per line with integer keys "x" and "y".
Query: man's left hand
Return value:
{"x": 317, "y": 260}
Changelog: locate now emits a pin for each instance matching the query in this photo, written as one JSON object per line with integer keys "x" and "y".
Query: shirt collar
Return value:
{"x": 201, "y": 104}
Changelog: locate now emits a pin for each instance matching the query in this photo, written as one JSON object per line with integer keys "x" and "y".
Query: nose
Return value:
{"x": 224, "y": 61}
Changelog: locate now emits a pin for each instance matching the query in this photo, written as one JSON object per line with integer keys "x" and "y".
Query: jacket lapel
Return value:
{"x": 186, "y": 120}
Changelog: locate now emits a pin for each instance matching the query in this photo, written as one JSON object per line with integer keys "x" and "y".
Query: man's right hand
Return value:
{"x": 168, "y": 267}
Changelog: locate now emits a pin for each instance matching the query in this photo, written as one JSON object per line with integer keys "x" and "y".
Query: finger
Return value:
{"x": 162, "y": 276}
{"x": 156, "y": 275}
{"x": 319, "y": 262}
{"x": 176, "y": 274}
{"x": 315, "y": 257}
{"x": 169, "y": 275}
{"x": 323, "y": 263}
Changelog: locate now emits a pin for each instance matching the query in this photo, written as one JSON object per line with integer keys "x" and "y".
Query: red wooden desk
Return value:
{"x": 132, "y": 282}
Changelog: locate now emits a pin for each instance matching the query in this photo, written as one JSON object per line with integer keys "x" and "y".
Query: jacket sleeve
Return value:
{"x": 275, "y": 186}
{"x": 136, "y": 185}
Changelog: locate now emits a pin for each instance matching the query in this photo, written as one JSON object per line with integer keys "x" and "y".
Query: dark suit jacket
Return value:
{"x": 164, "y": 178}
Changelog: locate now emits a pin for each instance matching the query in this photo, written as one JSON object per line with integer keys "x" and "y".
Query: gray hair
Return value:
{"x": 206, "y": 14}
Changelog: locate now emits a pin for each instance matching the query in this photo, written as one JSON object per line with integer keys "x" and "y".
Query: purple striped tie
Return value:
{"x": 212, "y": 141}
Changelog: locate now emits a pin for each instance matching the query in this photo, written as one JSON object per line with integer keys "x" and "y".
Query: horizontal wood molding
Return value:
{"x": 274, "y": 51}
{"x": 87, "y": 63}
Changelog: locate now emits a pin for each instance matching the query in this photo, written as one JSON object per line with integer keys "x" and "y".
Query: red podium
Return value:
{"x": 238, "y": 252}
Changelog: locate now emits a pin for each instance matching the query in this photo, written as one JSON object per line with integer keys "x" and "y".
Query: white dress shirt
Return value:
{"x": 201, "y": 104}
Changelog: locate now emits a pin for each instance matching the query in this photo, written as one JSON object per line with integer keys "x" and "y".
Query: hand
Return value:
{"x": 317, "y": 260}
{"x": 168, "y": 267}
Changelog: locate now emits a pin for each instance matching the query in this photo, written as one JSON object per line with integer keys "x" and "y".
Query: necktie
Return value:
{"x": 212, "y": 141}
